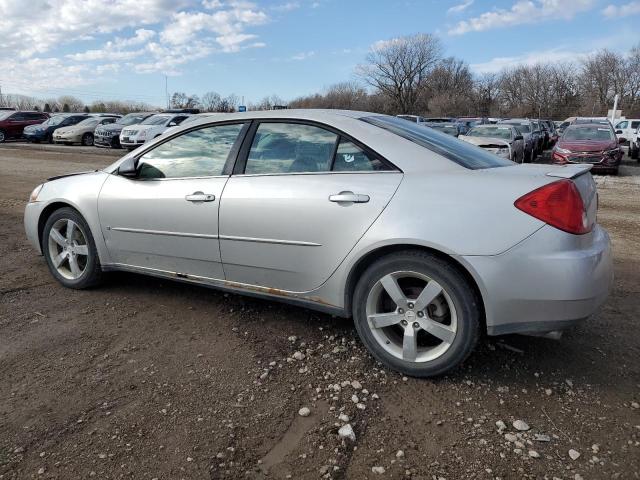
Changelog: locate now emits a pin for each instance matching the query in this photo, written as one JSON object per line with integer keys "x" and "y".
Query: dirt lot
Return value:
{"x": 145, "y": 378}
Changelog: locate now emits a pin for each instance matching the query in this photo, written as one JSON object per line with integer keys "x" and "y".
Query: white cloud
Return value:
{"x": 40, "y": 26}
{"x": 459, "y": 8}
{"x": 302, "y": 56}
{"x": 523, "y": 12}
{"x": 227, "y": 25}
{"x": 531, "y": 58}
{"x": 286, "y": 7}
{"x": 621, "y": 11}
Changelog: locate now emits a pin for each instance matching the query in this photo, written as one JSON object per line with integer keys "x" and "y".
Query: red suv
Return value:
{"x": 12, "y": 123}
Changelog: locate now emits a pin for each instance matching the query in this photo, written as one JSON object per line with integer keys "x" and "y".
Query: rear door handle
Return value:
{"x": 349, "y": 197}
{"x": 200, "y": 197}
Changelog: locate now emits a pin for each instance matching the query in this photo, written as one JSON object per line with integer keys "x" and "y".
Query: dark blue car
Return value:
{"x": 43, "y": 132}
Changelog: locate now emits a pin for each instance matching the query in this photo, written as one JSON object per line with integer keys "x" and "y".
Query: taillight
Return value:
{"x": 559, "y": 204}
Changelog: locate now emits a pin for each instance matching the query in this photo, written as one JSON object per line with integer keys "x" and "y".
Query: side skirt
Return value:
{"x": 313, "y": 303}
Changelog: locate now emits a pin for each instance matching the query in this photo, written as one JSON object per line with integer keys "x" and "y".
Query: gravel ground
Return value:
{"x": 145, "y": 378}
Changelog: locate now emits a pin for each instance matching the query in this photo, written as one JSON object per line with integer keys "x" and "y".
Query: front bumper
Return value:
{"x": 598, "y": 160}
{"x": 66, "y": 138}
{"x": 31, "y": 215}
{"x": 131, "y": 142}
{"x": 550, "y": 281}
{"x": 112, "y": 141}
{"x": 34, "y": 136}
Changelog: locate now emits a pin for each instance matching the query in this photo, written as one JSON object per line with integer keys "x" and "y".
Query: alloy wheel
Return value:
{"x": 2, "y": 136}
{"x": 411, "y": 316}
{"x": 68, "y": 249}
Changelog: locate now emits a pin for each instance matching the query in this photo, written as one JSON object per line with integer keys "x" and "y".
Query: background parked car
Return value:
{"x": 531, "y": 136}
{"x": 135, "y": 135}
{"x": 413, "y": 118}
{"x": 592, "y": 143}
{"x": 82, "y": 132}
{"x": 188, "y": 120}
{"x": 44, "y": 131}
{"x": 506, "y": 141}
{"x": 452, "y": 129}
{"x": 634, "y": 145}
{"x": 12, "y": 123}
{"x": 465, "y": 123}
{"x": 109, "y": 135}
{"x": 553, "y": 132}
{"x": 626, "y": 130}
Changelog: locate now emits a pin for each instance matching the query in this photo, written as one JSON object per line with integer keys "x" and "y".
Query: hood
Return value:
{"x": 70, "y": 175}
{"x": 587, "y": 145}
{"x": 139, "y": 128}
{"x": 112, "y": 127}
{"x": 486, "y": 142}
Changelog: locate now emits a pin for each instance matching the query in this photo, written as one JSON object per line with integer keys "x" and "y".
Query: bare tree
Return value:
{"x": 398, "y": 68}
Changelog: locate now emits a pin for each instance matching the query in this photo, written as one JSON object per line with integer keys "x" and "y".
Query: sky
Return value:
{"x": 127, "y": 49}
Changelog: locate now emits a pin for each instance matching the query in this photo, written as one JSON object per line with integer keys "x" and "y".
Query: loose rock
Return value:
{"x": 378, "y": 470}
{"x": 520, "y": 425}
{"x": 574, "y": 454}
{"x": 346, "y": 432}
{"x": 304, "y": 412}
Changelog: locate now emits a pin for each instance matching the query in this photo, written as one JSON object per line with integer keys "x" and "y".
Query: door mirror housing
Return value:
{"x": 173, "y": 124}
{"x": 128, "y": 168}
{"x": 618, "y": 131}
{"x": 519, "y": 137}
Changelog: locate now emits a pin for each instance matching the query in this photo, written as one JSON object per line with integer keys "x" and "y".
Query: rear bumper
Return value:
{"x": 550, "y": 281}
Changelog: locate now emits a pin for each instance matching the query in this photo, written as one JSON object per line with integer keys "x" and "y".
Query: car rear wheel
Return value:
{"x": 3, "y": 136}
{"x": 87, "y": 139}
{"x": 70, "y": 251}
{"x": 633, "y": 152}
{"x": 416, "y": 313}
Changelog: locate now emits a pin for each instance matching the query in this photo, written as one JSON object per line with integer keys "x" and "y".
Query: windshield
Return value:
{"x": 462, "y": 153}
{"x": 55, "y": 120}
{"x": 131, "y": 119}
{"x": 448, "y": 129}
{"x": 588, "y": 133}
{"x": 6, "y": 114}
{"x": 523, "y": 127}
{"x": 155, "y": 120}
{"x": 493, "y": 132}
{"x": 89, "y": 122}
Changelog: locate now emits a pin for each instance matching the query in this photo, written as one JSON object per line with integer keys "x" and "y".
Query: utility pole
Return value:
{"x": 166, "y": 91}
{"x": 615, "y": 106}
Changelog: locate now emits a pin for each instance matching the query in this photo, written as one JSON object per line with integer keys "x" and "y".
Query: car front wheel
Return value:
{"x": 87, "y": 139}
{"x": 416, "y": 313}
{"x": 70, "y": 251}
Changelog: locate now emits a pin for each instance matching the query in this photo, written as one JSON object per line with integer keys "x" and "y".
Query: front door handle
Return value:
{"x": 349, "y": 197}
{"x": 200, "y": 197}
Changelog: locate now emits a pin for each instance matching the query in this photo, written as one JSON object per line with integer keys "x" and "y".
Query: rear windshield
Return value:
{"x": 492, "y": 131}
{"x": 462, "y": 153}
{"x": 588, "y": 133}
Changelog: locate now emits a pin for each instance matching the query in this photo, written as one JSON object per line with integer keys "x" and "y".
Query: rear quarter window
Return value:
{"x": 462, "y": 153}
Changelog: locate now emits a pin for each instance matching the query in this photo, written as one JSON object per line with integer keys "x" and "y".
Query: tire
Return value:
{"x": 87, "y": 140}
{"x": 633, "y": 153}
{"x": 88, "y": 272}
{"x": 3, "y": 136}
{"x": 49, "y": 138}
{"x": 458, "y": 320}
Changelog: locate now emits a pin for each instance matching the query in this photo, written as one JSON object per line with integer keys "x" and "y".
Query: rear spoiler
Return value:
{"x": 570, "y": 171}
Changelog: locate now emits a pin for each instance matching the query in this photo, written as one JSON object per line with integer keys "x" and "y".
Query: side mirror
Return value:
{"x": 518, "y": 137}
{"x": 173, "y": 124}
{"x": 128, "y": 168}
{"x": 618, "y": 131}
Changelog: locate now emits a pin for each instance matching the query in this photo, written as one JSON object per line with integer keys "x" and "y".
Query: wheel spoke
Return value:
{"x": 409, "y": 344}
{"x": 381, "y": 320}
{"x": 428, "y": 295}
{"x": 57, "y": 237}
{"x": 75, "y": 268}
{"x": 81, "y": 250}
{"x": 70, "y": 229}
{"x": 57, "y": 261}
{"x": 438, "y": 330}
{"x": 390, "y": 284}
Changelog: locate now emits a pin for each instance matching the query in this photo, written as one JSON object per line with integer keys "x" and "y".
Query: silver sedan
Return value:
{"x": 424, "y": 240}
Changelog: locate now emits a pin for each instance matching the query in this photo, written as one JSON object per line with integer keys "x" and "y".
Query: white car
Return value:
{"x": 626, "y": 129}
{"x": 192, "y": 118}
{"x": 135, "y": 135}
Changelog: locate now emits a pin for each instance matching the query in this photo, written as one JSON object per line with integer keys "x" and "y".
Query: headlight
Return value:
{"x": 34, "y": 195}
{"x": 562, "y": 151}
{"x": 613, "y": 151}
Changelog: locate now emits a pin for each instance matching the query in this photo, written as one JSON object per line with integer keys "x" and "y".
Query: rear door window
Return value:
{"x": 462, "y": 153}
